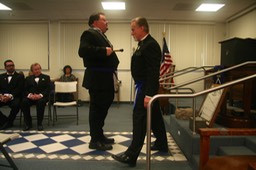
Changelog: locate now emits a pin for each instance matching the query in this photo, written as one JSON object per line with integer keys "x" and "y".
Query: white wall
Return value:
{"x": 23, "y": 42}
{"x": 243, "y": 27}
{"x": 190, "y": 44}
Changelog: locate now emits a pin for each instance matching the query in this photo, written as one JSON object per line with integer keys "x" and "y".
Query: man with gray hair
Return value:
{"x": 36, "y": 92}
{"x": 145, "y": 68}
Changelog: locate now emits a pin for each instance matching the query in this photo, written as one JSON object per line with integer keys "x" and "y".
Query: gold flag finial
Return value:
{"x": 164, "y": 34}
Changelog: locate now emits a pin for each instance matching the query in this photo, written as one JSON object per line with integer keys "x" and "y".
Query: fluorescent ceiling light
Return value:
{"x": 209, "y": 7}
{"x": 4, "y": 7}
{"x": 113, "y": 5}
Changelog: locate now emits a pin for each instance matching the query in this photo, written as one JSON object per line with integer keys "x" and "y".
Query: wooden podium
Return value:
{"x": 237, "y": 50}
{"x": 239, "y": 108}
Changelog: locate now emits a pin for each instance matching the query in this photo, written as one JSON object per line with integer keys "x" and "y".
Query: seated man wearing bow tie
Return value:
{"x": 36, "y": 92}
{"x": 11, "y": 86}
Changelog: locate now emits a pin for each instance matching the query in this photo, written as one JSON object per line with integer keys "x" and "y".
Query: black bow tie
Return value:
{"x": 9, "y": 75}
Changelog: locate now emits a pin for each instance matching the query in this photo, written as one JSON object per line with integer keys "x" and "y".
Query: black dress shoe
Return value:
{"x": 124, "y": 158}
{"x": 159, "y": 148}
{"x": 106, "y": 140}
{"x": 40, "y": 127}
{"x": 26, "y": 128}
{"x": 100, "y": 146}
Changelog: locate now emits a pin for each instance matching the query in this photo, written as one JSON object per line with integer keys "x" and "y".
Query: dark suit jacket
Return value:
{"x": 145, "y": 65}
{"x": 99, "y": 66}
{"x": 43, "y": 85}
{"x": 15, "y": 87}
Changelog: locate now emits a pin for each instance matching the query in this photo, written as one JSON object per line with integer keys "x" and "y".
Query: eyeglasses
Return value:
{"x": 10, "y": 65}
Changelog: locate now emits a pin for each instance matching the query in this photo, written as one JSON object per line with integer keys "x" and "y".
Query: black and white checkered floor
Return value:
{"x": 74, "y": 145}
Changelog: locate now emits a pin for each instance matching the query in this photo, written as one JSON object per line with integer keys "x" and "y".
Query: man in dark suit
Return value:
{"x": 101, "y": 63}
{"x": 145, "y": 67}
{"x": 11, "y": 86}
{"x": 36, "y": 92}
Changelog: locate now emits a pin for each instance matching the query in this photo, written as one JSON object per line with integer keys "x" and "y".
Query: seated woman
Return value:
{"x": 66, "y": 77}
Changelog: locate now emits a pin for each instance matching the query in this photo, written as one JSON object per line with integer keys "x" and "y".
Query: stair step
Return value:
{"x": 251, "y": 143}
{"x": 235, "y": 150}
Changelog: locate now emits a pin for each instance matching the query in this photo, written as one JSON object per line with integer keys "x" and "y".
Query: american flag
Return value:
{"x": 166, "y": 61}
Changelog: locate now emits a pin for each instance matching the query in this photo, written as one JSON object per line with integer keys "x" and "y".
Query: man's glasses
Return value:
{"x": 10, "y": 65}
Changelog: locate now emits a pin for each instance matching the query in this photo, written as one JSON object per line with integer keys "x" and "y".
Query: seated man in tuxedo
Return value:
{"x": 36, "y": 92}
{"x": 11, "y": 86}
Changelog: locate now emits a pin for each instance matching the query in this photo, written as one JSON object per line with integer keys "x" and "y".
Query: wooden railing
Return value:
{"x": 206, "y": 133}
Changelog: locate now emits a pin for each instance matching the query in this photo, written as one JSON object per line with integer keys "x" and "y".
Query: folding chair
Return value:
{"x": 5, "y": 138}
{"x": 51, "y": 99}
{"x": 65, "y": 87}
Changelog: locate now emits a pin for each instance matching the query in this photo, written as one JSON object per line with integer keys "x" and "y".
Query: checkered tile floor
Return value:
{"x": 74, "y": 145}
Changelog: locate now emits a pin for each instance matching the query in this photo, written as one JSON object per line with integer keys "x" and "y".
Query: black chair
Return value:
{"x": 49, "y": 104}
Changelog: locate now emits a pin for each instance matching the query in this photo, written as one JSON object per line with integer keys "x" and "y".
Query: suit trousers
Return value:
{"x": 40, "y": 107}
{"x": 15, "y": 107}
{"x": 3, "y": 119}
{"x": 100, "y": 101}
{"x": 140, "y": 124}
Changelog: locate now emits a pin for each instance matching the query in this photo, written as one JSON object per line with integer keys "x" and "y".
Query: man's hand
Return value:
{"x": 146, "y": 101}
{"x": 109, "y": 51}
{"x": 5, "y": 99}
{"x": 34, "y": 96}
